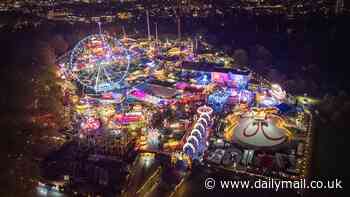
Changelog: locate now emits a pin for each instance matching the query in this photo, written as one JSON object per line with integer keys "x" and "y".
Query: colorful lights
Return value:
{"x": 196, "y": 141}
{"x": 99, "y": 63}
{"x": 260, "y": 127}
{"x": 153, "y": 138}
{"x": 127, "y": 118}
{"x": 90, "y": 124}
{"x": 203, "y": 79}
{"x": 221, "y": 78}
{"x": 156, "y": 119}
{"x": 218, "y": 99}
{"x": 182, "y": 85}
{"x": 140, "y": 95}
{"x": 277, "y": 92}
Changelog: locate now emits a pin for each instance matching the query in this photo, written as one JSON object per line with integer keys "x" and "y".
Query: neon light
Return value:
{"x": 203, "y": 119}
{"x": 194, "y": 138}
{"x": 196, "y": 131}
{"x": 199, "y": 125}
{"x": 190, "y": 146}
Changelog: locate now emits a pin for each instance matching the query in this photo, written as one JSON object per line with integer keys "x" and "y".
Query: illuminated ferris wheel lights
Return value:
{"x": 99, "y": 62}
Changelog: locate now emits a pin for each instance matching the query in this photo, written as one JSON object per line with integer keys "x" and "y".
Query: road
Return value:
{"x": 142, "y": 170}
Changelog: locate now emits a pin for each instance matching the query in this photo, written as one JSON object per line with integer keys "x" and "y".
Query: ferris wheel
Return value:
{"x": 100, "y": 63}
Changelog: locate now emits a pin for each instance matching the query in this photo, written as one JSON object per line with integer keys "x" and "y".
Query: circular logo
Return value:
{"x": 209, "y": 183}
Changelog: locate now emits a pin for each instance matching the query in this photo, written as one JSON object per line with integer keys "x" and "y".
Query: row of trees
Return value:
{"x": 28, "y": 90}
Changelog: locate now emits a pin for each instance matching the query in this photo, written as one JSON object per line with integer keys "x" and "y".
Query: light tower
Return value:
{"x": 156, "y": 24}
{"x": 124, "y": 32}
{"x": 99, "y": 27}
{"x": 339, "y": 7}
{"x": 179, "y": 27}
{"x": 148, "y": 26}
{"x": 178, "y": 18}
